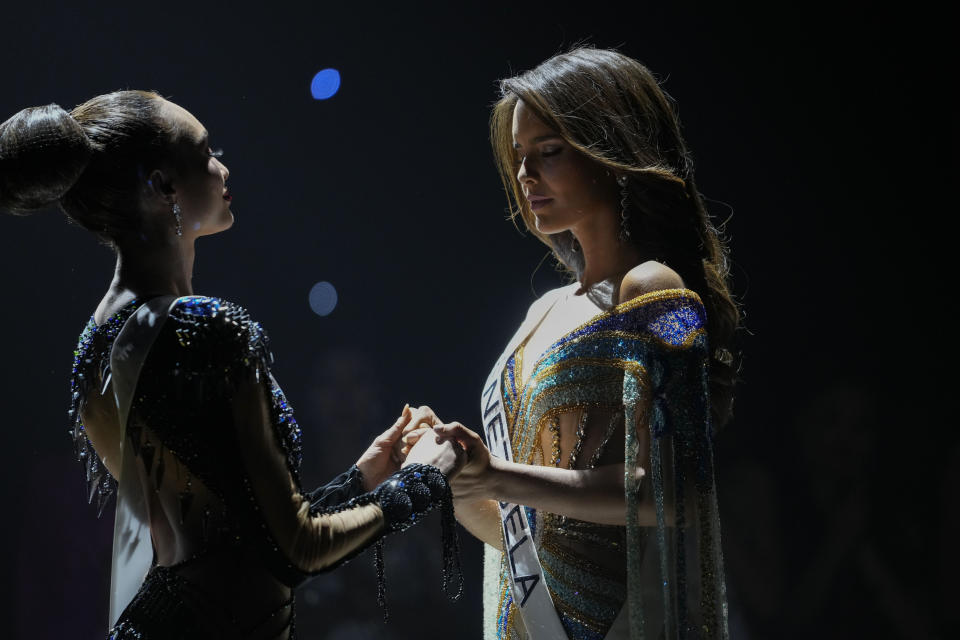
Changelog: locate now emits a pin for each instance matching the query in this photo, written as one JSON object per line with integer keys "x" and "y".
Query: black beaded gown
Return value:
{"x": 217, "y": 459}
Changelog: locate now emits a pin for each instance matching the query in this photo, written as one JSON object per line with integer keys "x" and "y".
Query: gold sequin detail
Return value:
{"x": 555, "y": 434}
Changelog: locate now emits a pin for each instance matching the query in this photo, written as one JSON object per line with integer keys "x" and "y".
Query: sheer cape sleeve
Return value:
{"x": 676, "y": 585}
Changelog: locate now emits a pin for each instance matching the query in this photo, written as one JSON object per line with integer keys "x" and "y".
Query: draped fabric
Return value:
{"x": 633, "y": 381}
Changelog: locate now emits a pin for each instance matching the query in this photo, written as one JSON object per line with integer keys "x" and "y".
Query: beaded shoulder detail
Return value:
{"x": 91, "y": 363}
{"x": 206, "y": 348}
{"x": 225, "y": 324}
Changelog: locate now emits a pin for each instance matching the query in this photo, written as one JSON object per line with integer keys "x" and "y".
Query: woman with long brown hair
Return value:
{"x": 595, "y": 488}
{"x": 174, "y": 409}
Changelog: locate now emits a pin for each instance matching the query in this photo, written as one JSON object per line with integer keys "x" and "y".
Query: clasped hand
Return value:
{"x": 388, "y": 452}
{"x": 423, "y": 427}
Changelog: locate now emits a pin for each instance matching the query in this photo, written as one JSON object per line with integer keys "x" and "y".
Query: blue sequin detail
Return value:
{"x": 287, "y": 430}
{"x": 93, "y": 349}
{"x": 586, "y": 367}
{"x": 200, "y": 306}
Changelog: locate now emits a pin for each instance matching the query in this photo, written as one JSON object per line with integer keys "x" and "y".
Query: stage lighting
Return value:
{"x": 323, "y": 298}
{"x": 325, "y": 84}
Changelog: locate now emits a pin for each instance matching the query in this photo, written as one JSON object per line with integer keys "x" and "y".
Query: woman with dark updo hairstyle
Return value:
{"x": 595, "y": 490}
{"x": 174, "y": 409}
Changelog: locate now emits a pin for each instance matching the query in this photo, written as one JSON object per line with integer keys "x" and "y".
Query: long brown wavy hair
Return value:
{"x": 610, "y": 108}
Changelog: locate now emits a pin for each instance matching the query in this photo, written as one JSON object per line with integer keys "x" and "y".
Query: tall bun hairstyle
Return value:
{"x": 91, "y": 161}
{"x": 43, "y": 151}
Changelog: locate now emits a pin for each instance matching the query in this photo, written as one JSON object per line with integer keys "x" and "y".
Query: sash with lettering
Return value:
{"x": 530, "y": 593}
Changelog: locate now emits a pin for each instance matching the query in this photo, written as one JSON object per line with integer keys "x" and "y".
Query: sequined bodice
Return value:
{"x": 159, "y": 423}
{"x": 572, "y": 427}
{"x": 581, "y": 408}
{"x": 179, "y": 430}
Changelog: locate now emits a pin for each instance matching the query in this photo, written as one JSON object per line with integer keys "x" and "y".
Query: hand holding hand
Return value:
{"x": 473, "y": 482}
{"x": 380, "y": 460}
{"x": 444, "y": 454}
{"x": 420, "y": 421}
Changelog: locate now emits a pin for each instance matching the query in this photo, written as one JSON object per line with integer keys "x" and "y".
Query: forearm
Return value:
{"x": 482, "y": 519}
{"x": 593, "y": 495}
{"x": 347, "y": 485}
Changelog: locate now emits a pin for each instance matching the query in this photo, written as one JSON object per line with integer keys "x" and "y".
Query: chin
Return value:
{"x": 227, "y": 220}
{"x": 546, "y": 227}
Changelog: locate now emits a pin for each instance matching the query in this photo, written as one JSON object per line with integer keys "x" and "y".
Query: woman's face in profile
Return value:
{"x": 565, "y": 188}
{"x": 200, "y": 181}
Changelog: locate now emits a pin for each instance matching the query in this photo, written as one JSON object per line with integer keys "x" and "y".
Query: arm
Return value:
{"x": 482, "y": 519}
{"x": 211, "y": 389}
{"x": 308, "y": 543}
{"x": 377, "y": 463}
{"x": 593, "y": 495}
{"x": 312, "y": 542}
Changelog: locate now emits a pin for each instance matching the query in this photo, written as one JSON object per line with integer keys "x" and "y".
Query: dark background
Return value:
{"x": 824, "y": 133}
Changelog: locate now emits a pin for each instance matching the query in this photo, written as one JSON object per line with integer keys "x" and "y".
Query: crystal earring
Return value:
{"x": 179, "y": 218}
{"x": 624, "y": 216}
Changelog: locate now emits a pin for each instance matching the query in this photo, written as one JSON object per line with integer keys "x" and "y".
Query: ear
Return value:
{"x": 160, "y": 186}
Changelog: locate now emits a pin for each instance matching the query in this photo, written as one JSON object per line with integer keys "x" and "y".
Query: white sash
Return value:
{"x": 530, "y": 593}
{"x": 132, "y": 546}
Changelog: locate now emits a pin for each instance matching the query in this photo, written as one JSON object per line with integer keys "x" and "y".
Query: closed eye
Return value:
{"x": 215, "y": 153}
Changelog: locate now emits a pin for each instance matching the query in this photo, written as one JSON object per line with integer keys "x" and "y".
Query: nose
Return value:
{"x": 526, "y": 174}
{"x": 224, "y": 171}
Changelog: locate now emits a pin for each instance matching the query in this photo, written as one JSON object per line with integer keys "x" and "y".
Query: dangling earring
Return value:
{"x": 179, "y": 218}
{"x": 624, "y": 216}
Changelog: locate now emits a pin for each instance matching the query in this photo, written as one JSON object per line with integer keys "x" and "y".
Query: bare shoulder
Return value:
{"x": 646, "y": 277}
{"x": 112, "y": 303}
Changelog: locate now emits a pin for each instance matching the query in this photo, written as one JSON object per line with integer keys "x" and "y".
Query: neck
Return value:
{"x": 604, "y": 256}
{"x": 154, "y": 264}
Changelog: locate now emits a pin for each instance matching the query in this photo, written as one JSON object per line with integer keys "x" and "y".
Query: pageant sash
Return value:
{"x": 529, "y": 589}
{"x": 132, "y": 546}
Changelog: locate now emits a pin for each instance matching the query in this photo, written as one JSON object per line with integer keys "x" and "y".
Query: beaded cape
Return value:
{"x": 181, "y": 430}
{"x": 645, "y": 362}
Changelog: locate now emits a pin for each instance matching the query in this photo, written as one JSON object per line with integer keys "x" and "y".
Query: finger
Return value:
{"x": 391, "y": 435}
{"x": 396, "y": 429}
{"x": 425, "y": 414}
{"x": 412, "y": 426}
{"x": 404, "y": 416}
{"x": 412, "y": 437}
{"x": 455, "y": 430}
{"x": 415, "y": 426}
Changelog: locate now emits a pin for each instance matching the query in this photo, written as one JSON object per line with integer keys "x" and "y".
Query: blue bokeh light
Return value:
{"x": 323, "y": 298}
{"x": 325, "y": 84}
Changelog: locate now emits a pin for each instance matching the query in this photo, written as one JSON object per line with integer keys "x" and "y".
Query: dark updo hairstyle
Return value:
{"x": 610, "y": 108}
{"x": 91, "y": 161}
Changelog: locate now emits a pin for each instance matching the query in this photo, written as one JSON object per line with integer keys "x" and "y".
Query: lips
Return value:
{"x": 537, "y": 202}
{"x": 227, "y": 196}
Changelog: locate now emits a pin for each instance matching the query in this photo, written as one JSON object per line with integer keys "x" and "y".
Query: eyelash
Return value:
{"x": 216, "y": 153}
{"x": 546, "y": 153}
